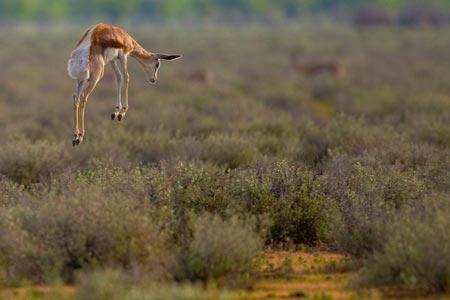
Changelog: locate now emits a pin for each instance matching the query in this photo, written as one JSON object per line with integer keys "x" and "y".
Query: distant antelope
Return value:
{"x": 100, "y": 45}
{"x": 319, "y": 68}
{"x": 316, "y": 68}
{"x": 198, "y": 76}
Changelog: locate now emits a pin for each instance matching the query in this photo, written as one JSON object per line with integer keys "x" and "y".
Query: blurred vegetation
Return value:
{"x": 112, "y": 284}
{"x": 416, "y": 253}
{"x": 169, "y": 9}
{"x": 202, "y": 174}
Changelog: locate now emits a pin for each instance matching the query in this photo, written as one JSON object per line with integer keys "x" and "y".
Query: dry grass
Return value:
{"x": 302, "y": 274}
{"x": 306, "y": 274}
{"x": 38, "y": 292}
{"x": 317, "y": 274}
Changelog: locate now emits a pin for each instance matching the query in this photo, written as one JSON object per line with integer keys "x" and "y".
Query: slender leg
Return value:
{"x": 89, "y": 90}
{"x": 124, "y": 64}
{"x": 76, "y": 130}
{"x": 95, "y": 76}
{"x": 76, "y": 100}
{"x": 119, "y": 82}
{"x": 81, "y": 118}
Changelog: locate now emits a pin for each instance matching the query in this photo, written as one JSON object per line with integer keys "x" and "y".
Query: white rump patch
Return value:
{"x": 78, "y": 64}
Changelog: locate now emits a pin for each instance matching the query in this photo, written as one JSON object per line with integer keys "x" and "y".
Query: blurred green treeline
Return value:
{"x": 169, "y": 9}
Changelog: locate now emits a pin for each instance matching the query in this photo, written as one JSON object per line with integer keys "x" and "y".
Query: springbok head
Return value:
{"x": 153, "y": 63}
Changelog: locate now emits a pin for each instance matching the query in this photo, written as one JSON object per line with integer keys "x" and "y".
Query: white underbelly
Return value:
{"x": 110, "y": 54}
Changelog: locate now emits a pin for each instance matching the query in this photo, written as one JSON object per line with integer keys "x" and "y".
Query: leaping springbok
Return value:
{"x": 100, "y": 45}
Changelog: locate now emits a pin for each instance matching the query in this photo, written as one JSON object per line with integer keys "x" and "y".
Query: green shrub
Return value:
{"x": 185, "y": 188}
{"x": 27, "y": 163}
{"x": 229, "y": 151}
{"x": 364, "y": 199}
{"x": 417, "y": 253}
{"x": 16, "y": 245}
{"x": 113, "y": 285}
{"x": 434, "y": 132}
{"x": 275, "y": 139}
{"x": 353, "y": 136}
{"x": 196, "y": 187}
{"x": 432, "y": 167}
{"x": 148, "y": 147}
{"x": 102, "y": 285}
{"x": 10, "y": 192}
{"x": 219, "y": 250}
{"x": 62, "y": 234}
{"x": 285, "y": 194}
{"x": 314, "y": 145}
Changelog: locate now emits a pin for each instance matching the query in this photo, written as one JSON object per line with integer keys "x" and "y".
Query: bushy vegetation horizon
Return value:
{"x": 44, "y": 10}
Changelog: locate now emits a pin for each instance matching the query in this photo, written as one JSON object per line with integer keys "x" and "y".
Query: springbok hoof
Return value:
{"x": 113, "y": 116}
{"x": 78, "y": 139}
{"x": 119, "y": 118}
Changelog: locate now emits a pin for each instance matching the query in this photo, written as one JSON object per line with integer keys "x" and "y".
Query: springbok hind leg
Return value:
{"x": 89, "y": 89}
{"x": 76, "y": 105}
{"x": 97, "y": 69}
{"x": 92, "y": 83}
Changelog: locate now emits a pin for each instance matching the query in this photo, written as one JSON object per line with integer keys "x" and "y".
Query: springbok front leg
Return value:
{"x": 126, "y": 81}
{"x": 119, "y": 83}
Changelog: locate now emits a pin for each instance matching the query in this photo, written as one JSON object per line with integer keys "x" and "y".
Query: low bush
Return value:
{"x": 279, "y": 192}
{"x": 110, "y": 284}
{"x": 313, "y": 145}
{"x": 10, "y": 192}
{"x": 105, "y": 284}
{"x": 364, "y": 199}
{"x": 286, "y": 195}
{"x": 417, "y": 252}
{"x": 28, "y": 163}
{"x": 223, "y": 250}
{"x": 351, "y": 136}
{"x": 55, "y": 237}
{"x": 229, "y": 151}
{"x": 16, "y": 246}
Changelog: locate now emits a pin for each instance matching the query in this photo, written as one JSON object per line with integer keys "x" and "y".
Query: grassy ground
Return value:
{"x": 303, "y": 274}
{"x": 316, "y": 274}
{"x": 308, "y": 274}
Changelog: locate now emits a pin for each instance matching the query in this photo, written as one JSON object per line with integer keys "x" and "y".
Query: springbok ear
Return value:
{"x": 167, "y": 56}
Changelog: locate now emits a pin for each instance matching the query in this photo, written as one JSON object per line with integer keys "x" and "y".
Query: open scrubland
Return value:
{"x": 206, "y": 179}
